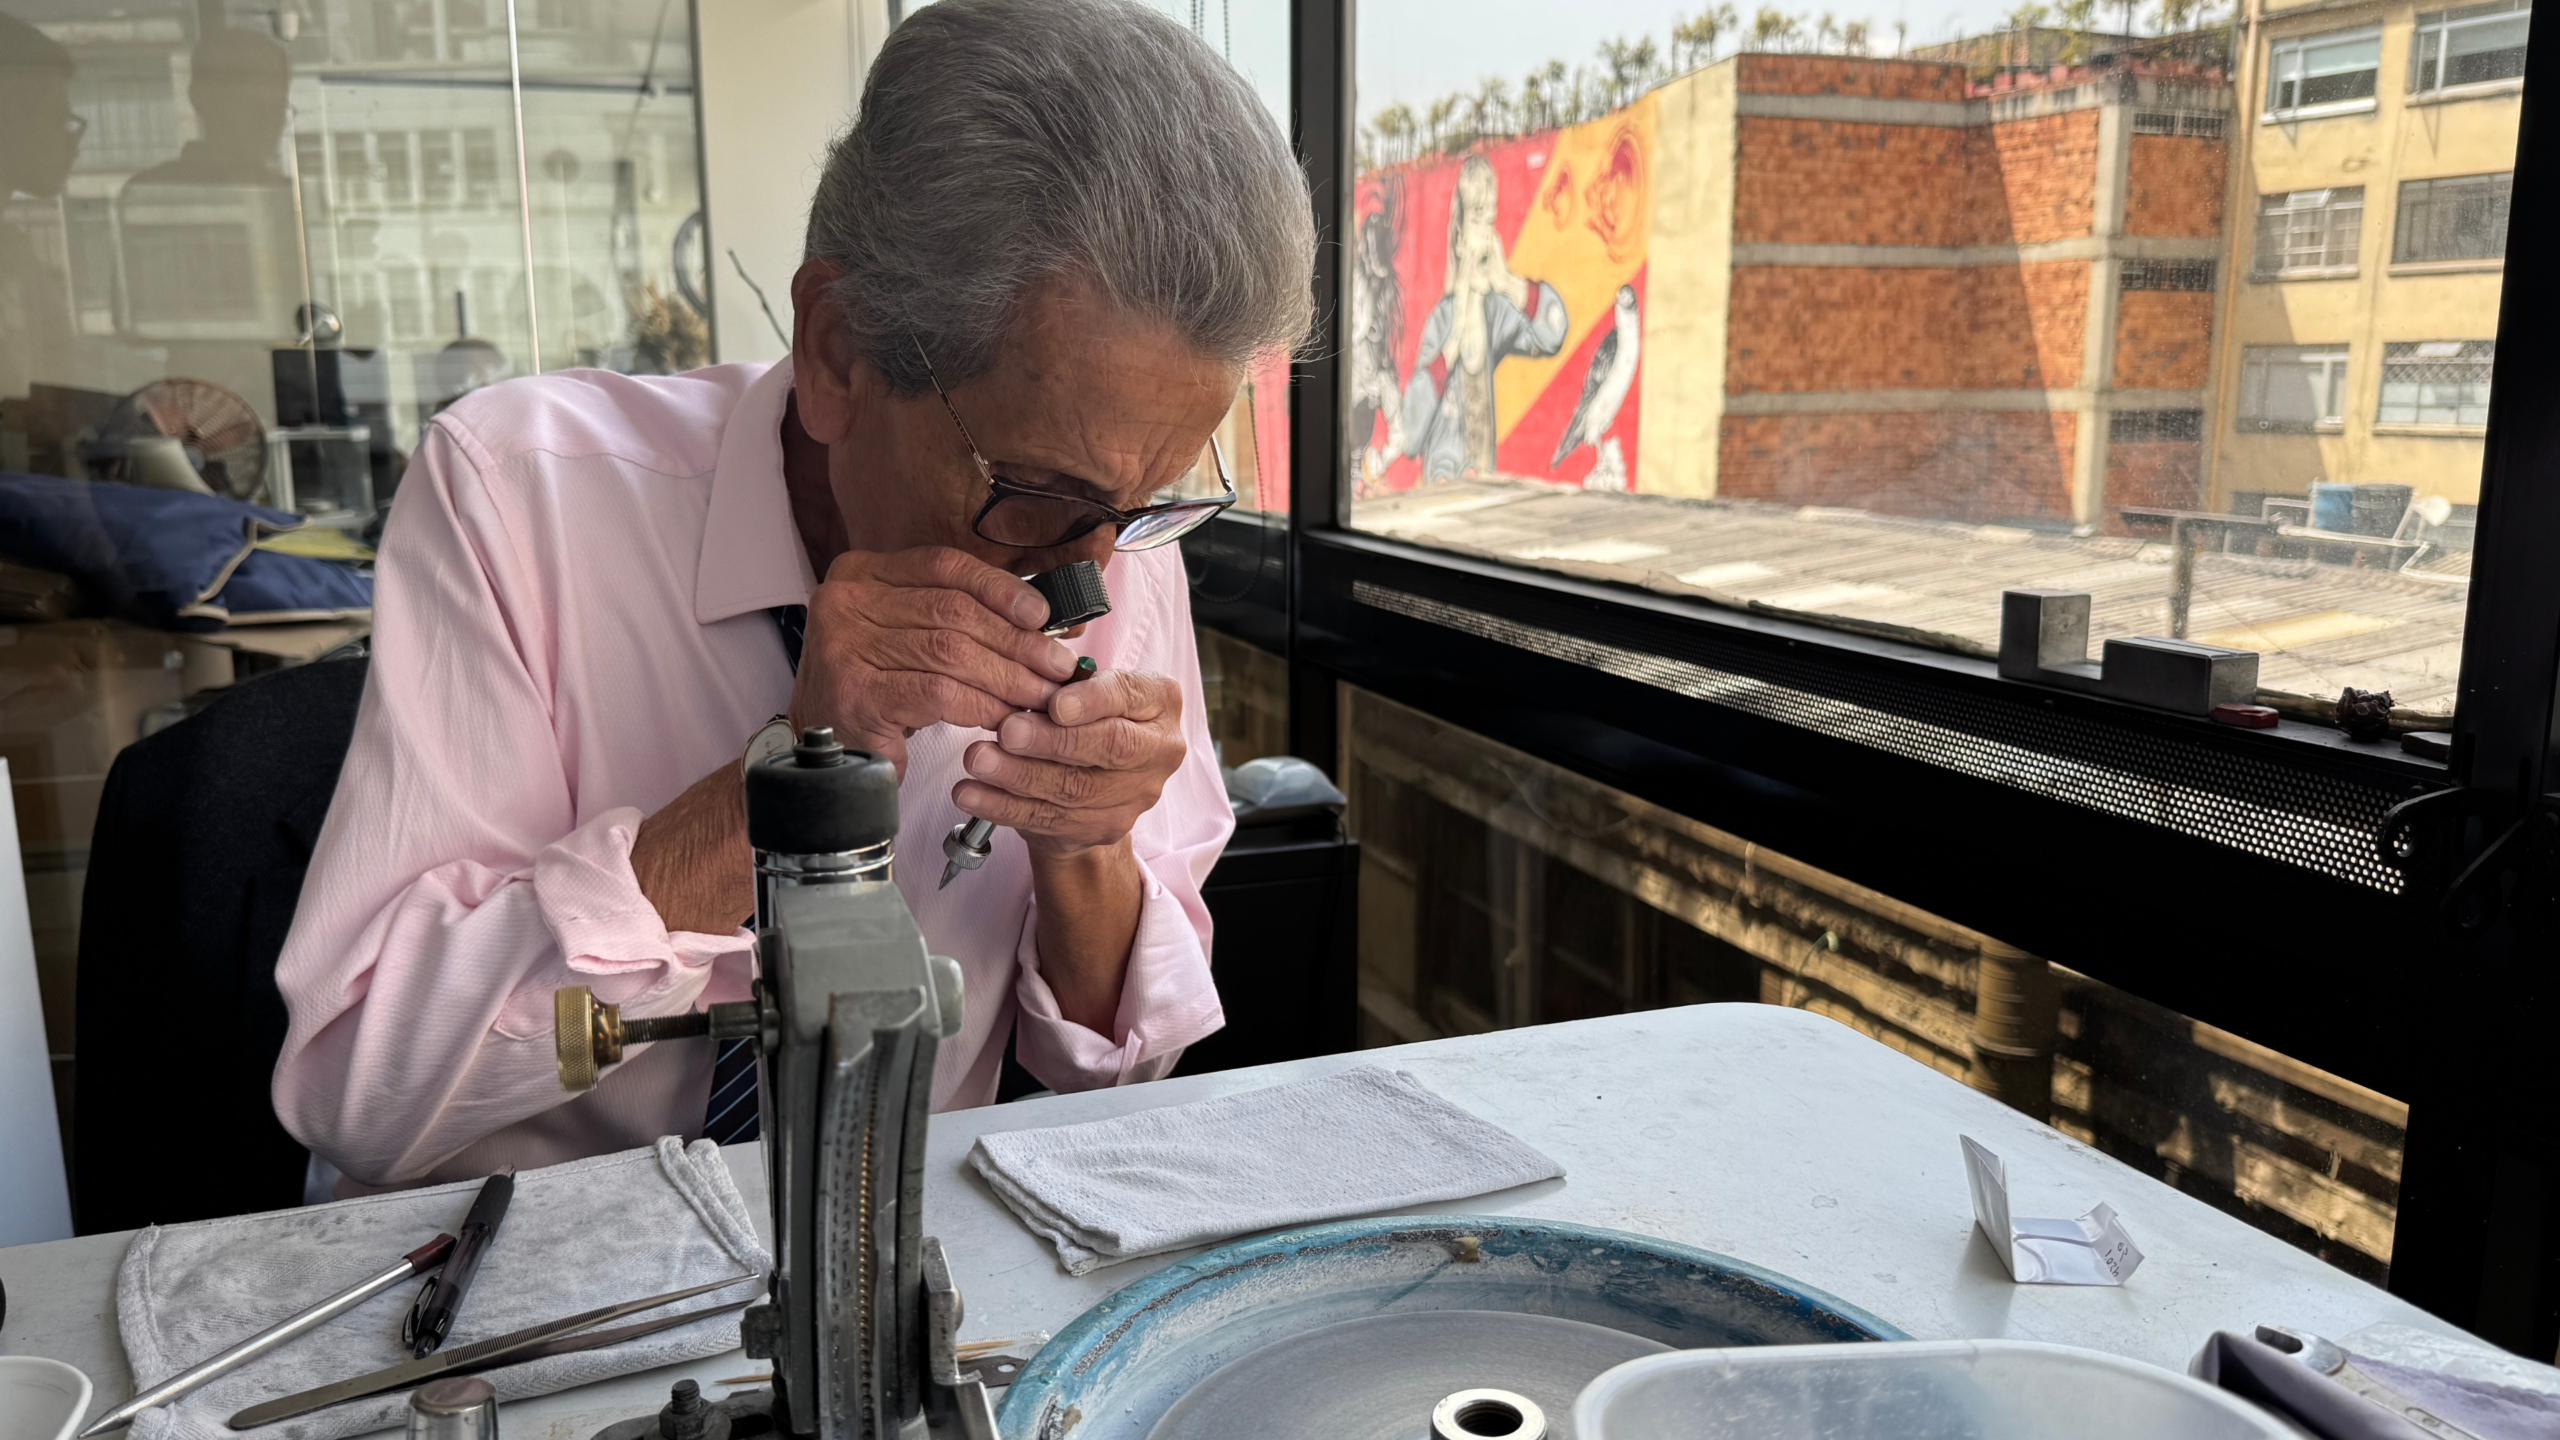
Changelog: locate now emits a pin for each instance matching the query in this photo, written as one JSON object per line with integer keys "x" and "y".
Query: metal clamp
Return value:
{"x": 2044, "y": 639}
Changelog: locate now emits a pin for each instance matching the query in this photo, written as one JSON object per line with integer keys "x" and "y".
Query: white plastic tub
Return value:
{"x": 1909, "y": 1390}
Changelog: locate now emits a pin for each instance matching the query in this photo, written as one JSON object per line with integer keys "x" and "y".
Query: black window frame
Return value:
{"x": 2379, "y": 985}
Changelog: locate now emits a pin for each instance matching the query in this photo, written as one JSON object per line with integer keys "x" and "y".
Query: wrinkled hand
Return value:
{"x": 912, "y": 638}
{"x": 1078, "y": 777}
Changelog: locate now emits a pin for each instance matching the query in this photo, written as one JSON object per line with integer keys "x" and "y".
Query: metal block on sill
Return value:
{"x": 2044, "y": 638}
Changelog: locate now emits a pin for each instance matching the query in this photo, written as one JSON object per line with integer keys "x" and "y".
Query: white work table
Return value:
{"x": 1767, "y": 1134}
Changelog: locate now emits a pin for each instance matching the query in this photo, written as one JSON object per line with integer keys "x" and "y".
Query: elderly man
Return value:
{"x": 1036, "y": 268}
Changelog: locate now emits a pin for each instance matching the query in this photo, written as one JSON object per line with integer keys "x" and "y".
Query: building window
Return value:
{"x": 2141, "y": 426}
{"x": 2167, "y": 275}
{"x": 2292, "y": 387}
{"x": 2460, "y": 218}
{"x": 2470, "y": 46}
{"x": 2188, "y": 123}
{"x": 2322, "y": 74}
{"x": 2436, "y": 382}
{"x": 2304, "y": 232}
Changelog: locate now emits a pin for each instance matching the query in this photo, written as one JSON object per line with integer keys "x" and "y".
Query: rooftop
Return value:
{"x": 2317, "y": 626}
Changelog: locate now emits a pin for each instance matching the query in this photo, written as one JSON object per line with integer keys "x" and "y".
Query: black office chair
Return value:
{"x": 203, "y": 835}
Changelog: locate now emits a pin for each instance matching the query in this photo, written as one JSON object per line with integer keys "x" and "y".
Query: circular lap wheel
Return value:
{"x": 1378, "y": 1378}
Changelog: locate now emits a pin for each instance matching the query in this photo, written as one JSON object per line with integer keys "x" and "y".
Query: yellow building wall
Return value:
{"x": 1689, "y": 280}
{"x": 2398, "y": 140}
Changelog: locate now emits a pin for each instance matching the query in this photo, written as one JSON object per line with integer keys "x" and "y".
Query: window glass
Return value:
{"x": 2323, "y": 70}
{"x": 2436, "y": 382}
{"x": 2464, "y": 218}
{"x": 1498, "y": 890}
{"x": 2303, "y": 232}
{"x": 252, "y": 250}
{"x": 1865, "y": 327}
{"x": 2291, "y": 387}
{"x": 2470, "y": 46}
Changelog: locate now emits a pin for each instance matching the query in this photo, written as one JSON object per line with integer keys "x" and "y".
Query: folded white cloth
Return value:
{"x": 1364, "y": 1140}
{"x": 577, "y": 1236}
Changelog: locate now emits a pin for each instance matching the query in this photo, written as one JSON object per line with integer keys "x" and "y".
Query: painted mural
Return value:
{"x": 1497, "y": 309}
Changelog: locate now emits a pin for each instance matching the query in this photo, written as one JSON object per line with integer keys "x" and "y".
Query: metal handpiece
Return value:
{"x": 966, "y": 847}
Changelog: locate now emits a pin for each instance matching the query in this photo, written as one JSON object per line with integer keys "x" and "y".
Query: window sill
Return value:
{"x": 2325, "y": 272}
{"x": 2447, "y": 267}
{"x": 2365, "y": 106}
{"x": 2478, "y": 90}
{"x": 2325, "y": 427}
{"x": 2434, "y": 432}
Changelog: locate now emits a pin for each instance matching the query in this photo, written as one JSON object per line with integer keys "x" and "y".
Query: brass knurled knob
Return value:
{"x": 586, "y": 1036}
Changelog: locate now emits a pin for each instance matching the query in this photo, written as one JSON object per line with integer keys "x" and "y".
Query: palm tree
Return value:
{"x": 1698, "y": 37}
{"x": 1773, "y": 29}
{"x": 1393, "y": 132}
{"x": 1853, "y": 38}
{"x": 2079, "y": 17}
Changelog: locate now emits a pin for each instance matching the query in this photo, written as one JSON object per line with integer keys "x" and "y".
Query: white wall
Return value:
{"x": 778, "y": 78}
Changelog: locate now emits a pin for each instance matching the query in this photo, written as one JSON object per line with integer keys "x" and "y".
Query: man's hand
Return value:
{"x": 1079, "y": 777}
{"x": 912, "y": 638}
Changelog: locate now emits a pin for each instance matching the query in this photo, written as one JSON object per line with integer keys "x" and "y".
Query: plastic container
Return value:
{"x": 40, "y": 1399}
{"x": 1909, "y": 1390}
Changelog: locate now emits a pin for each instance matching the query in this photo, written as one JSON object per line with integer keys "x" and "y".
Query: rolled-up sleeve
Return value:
{"x": 454, "y": 886}
{"x": 1167, "y": 999}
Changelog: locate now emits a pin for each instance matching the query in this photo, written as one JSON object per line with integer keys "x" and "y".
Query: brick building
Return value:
{"x": 1945, "y": 303}
{"x": 1862, "y": 282}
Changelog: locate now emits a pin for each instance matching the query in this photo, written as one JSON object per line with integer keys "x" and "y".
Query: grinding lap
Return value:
{"x": 1377, "y": 1379}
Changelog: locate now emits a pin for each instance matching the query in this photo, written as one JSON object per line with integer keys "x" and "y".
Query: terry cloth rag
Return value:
{"x": 577, "y": 1236}
{"x": 1365, "y": 1140}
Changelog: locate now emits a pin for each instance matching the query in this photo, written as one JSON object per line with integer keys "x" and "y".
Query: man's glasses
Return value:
{"x": 1028, "y": 517}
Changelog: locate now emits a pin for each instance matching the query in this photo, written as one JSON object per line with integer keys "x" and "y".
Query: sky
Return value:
{"x": 1418, "y": 50}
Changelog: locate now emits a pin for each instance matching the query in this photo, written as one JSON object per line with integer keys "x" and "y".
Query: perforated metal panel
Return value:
{"x": 2321, "y": 822}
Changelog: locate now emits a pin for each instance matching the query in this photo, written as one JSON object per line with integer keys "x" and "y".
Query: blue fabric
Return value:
{"x": 170, "y": 559}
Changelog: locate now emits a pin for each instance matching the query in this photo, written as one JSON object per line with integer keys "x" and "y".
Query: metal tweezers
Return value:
{"x": 553, "y": 1337}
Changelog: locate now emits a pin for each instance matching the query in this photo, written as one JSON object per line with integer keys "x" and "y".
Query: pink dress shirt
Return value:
{"x": 570, "y": 629}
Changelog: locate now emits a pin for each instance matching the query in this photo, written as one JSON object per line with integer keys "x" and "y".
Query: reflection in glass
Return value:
{"x": 249, "y": 251}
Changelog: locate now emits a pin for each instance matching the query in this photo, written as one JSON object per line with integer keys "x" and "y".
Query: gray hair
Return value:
{"x": 1004, "y": 142}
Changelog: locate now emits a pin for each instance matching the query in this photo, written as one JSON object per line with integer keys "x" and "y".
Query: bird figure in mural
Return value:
{"x": 1605, "y": 384}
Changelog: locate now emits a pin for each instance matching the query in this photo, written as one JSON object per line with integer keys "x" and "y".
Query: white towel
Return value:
{"x": 576, "y": 1236}
{"x": 1350, "y": 1144}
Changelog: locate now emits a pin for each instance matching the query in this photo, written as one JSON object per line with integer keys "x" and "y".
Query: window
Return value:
{"x": 2137, "y": 427}
{"x": 2166, "y": 275}
{"x": 1861, "y": 384}
{"x": 2292, "y": 387}
{"x": 226, "y": 173}
{"x": 2436, "y": 382}
{"x": 2462, "y": 218}
{"x": 2172, "y": 122}
{"x": 2322, "y": 74}
{"x": 2303, "y": 232}
{"x": 2470, "y": 46}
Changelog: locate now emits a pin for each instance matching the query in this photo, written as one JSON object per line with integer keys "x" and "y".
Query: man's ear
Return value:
{"x": 827, "y": 378}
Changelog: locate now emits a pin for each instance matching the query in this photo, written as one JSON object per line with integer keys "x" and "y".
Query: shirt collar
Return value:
{"x": 752, "y": 558}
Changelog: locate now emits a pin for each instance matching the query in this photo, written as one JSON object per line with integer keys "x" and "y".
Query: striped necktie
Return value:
{"x": 731, "y": 1116}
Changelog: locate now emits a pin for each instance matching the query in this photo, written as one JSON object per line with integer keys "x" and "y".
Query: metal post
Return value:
{"x": 1320, "y": 33}
{"x": 2182, "y": 576}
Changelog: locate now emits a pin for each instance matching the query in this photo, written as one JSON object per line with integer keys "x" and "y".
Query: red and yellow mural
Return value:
{"x": 1497, "y": 303}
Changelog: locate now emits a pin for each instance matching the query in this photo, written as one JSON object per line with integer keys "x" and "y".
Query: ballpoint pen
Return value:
{"x": 426, "y": 1257}
{"x": 440, "y": 1298}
